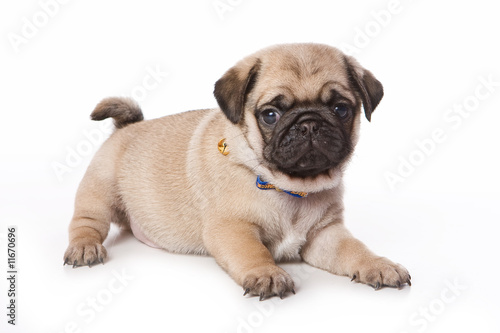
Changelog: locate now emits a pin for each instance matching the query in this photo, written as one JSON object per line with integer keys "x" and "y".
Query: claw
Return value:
{"x": 293, "y": 291}
{"x": 409, "y": 282}
{"x": 246, "y": 291}
{"x": 377, "y": 286}
{"x": 353, "y": 277}
{"x": 262, "y": 297}
{"x": 398, "y": 284}
{"x": 88, "y": 263}
{"x": 101, "y": 260}
{"x": 74, "y": 264}
{"x": 280, "y": 295}
{"x": 65, "y": 262}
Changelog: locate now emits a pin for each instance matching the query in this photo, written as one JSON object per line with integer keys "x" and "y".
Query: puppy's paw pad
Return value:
{"x": 268, "y": 281}
{"x": 84, "y": 252}
{"x": 381, "y": 272}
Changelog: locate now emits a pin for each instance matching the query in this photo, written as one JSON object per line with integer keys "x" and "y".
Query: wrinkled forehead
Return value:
{"x": 302, "y": 75}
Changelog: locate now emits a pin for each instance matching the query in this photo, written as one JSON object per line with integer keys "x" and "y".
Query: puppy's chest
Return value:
{"x": 289, "y": 233}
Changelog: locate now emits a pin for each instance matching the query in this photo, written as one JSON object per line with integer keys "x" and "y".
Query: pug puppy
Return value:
{"x": 256, "y": 181}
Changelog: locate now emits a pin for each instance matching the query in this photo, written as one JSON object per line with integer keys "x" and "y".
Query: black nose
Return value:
{"x": 309, "y": 127}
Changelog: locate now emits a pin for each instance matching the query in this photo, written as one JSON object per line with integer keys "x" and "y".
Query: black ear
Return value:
{"x": 368, "y": 86}
{"x": 232, "y": 88}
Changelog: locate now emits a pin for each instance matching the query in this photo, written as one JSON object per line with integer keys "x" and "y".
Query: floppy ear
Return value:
{"x": 368, "y": 86}
{"x": 233, "y": 87}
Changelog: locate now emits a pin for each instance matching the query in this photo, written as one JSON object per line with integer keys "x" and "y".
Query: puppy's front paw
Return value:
{"x": 268, "y": 281}
{"x": 378, "y": 272}
{"x": 84, "y": 251}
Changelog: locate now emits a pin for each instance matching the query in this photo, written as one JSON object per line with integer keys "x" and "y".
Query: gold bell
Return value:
{"x": 223, "y": 147}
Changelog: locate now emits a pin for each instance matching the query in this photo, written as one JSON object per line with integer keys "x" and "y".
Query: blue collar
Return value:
{"x": 266, "y": 186}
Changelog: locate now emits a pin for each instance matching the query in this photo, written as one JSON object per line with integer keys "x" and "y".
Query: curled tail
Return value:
{"x": 123, "y": 110}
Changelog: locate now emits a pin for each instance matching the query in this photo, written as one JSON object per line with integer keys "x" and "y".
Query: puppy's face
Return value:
{"x": 304, "y": 138}
{"x": 305, "y": 100}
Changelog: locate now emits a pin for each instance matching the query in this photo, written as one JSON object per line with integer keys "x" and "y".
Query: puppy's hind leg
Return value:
{"x": 94, "y": 210}
{"x": 97, "y": 200}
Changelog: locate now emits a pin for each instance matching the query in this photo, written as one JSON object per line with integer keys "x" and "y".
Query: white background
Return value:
{"x": 440, "y": 220}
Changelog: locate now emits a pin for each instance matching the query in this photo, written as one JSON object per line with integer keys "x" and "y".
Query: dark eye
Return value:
{"x": 342, "y": 110}
{"x": 270, "y": 116}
